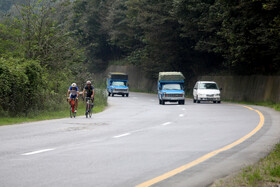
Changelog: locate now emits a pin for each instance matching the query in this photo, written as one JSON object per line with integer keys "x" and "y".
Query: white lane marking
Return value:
{"x": 36, "y": 152}
{"x": 153, "y": 100}
{"x": 139, "y": 130}
{"x": 121, "y": 135}
{"x": 167, "y": 123}
{"x": 183, "y": 109}
{"x": 181, "y": 115}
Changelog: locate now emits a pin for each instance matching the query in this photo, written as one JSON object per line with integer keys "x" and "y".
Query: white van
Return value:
{"x": 206, "y": 91}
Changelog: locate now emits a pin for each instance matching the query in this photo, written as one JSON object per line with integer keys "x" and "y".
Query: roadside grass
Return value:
{"x": 49, "y": 115}
{"x": 264, "y": 173}
{"x": 100, "y": 104}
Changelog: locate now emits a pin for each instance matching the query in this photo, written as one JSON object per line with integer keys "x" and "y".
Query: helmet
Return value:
{"x": 74, "y": 85}
{"x": 88, "y": 82}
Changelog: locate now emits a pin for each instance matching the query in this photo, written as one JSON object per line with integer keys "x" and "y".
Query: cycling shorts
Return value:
{"x": 73, "y": 96}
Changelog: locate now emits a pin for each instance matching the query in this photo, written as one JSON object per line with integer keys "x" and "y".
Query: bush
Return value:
{"x": 21, "y": 83}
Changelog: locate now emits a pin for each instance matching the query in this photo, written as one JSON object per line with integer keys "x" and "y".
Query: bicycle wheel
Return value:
{"x": 87, "y": 111}
{"x": 90, "y": 112}
{"x": 70, "y": 111}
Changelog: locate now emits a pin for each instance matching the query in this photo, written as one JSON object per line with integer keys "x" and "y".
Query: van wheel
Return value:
{"x": 194, "y": 101}
{"x": 109, "y": 93}
{"x": 219, "y": 102}
{"x": 159, "y": 101}
{"x": 113, "y": 95}
{"x": 127, "y": 95}
{"x": 163, "y": 102}
{"x": 197, "y": 101}
{"x": 123, "y": 95}
{"x": 183, "y": 102}
{"x": 214, "y": 102}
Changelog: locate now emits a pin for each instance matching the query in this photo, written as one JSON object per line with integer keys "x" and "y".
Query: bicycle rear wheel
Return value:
{"x": 71, "y": 112}
{"x": 90, "y": 112}
{"x": 86, "y": 109}
{"x": 72, "y": 109}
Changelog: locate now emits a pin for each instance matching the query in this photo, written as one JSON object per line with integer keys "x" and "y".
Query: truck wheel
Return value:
{"x": 127, "y": 95}
{"x": 183, "y": 102}
{"x": 123, "y": 95}
{"x": 194, "y": 101}
{"x": 214, "y": 101}
{"x": 219, "y": 102}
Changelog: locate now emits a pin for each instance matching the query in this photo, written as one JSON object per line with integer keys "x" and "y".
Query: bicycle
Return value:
{"x": 89, "y": 107}
{"x": 72, "y": 107}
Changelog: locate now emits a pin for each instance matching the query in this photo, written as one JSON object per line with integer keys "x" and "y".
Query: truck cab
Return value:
{"x": 171, "y": 87}
{"x": 117, "y": 84}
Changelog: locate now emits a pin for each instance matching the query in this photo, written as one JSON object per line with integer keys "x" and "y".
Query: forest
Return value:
{"x": 193, "y": 36}
{"x": 47, "y": 44}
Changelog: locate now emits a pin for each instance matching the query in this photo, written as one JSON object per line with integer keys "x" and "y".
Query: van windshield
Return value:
{"x": 171, "y": 87}
{"x": 118, "y": 83}
{"x": 209, "y": 86}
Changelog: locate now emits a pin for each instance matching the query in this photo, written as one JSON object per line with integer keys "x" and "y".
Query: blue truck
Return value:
{"x": 171, "y": 87}
{"x": 117, "y": 84}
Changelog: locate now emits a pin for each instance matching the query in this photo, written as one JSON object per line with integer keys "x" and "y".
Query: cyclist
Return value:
{"x": 90, "y": 91}
{"x": 74, "y": 94}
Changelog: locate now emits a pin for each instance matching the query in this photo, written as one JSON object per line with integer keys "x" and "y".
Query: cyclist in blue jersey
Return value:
{"x": 74, "y": 94}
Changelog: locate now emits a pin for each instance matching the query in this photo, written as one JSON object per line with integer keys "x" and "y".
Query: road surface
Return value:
{"x": 136, "y": 140}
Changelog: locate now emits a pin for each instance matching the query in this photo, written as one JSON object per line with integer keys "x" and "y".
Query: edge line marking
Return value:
{"x": 207, "y": 156}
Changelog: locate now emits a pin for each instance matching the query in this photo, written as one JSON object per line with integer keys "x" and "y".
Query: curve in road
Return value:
{"x": 134, "y": 140}
{"x": 207, "y": 156}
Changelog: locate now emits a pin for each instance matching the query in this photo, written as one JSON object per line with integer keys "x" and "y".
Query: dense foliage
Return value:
{"x": 39, "y": 57}
{"x": 46, "y": 44}
{"x": 193, "y": 36}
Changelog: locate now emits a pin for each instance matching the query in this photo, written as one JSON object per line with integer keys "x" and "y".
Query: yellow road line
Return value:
{"x": 207, "y": 156}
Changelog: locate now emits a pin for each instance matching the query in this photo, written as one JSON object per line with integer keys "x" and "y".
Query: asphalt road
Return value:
{"x": 133, "y": 141}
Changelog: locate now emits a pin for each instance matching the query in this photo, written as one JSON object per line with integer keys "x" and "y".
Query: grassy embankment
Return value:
{"x": 264, "y": 173}
{"x": 100, "y": 104}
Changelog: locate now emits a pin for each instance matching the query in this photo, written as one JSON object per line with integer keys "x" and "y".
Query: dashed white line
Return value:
{"x": 167, "y": 123}
{"x": 121, "y": 135}
{"x": 183, "y": 109}
{"x": 36, "y": 152}
{"x": 181, "y": 115}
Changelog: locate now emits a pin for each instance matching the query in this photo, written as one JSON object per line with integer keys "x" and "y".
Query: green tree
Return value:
{"x": 88, "y": 25}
